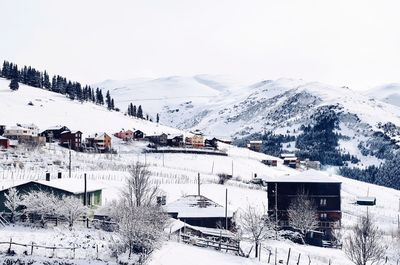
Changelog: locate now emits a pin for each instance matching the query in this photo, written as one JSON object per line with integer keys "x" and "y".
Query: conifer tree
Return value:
{"x": 158, "y": 118}
{"x": 139, "y": 112}
{"x": 14, "y": 84}
{"x": 134, "y": 111}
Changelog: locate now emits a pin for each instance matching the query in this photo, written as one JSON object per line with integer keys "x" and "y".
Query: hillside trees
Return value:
{"x": 30, "y": 76}
{"x": 319, "y": 141}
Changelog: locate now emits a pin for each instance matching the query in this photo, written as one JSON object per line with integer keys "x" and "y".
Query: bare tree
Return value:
{"x": 364, "y": 246}
{"x": 302, "y": 213}
{"x": 139, "y": 190}
{"x": 13, "y": 201}
{"x": 256, "y": 224}
{"x": 72, "y": 208}
{"x": 140, "y": 221}
{"x": 42, "y": 204}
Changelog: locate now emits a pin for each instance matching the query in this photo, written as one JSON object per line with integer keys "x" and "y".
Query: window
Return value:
{"x": 322, "y": 202}
{"x": 323, "y": 216}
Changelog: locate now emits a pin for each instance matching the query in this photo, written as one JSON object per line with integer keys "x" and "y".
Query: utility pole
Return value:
{"x": 276, "y": 211}
{"x": 226, "y": 209}
{"x": 198, "y": 184}
{"x": 70, "y": 160}
{"x": 232, "y": 168}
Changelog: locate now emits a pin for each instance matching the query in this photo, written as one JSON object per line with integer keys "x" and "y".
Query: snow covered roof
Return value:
{"x": 307, "y": 176}
{"x": 174, "y": 225}
{"x": 72, "y": 185}
{"x": 366, "y": 199}
{"x": 256, "y": 142}
{"x": 195, "y": 206}
{"x": 3, "y": 138}
{"x": 287, "y": 155}
{"x": 56, "y": 127}
{"x": 98, "y": 136}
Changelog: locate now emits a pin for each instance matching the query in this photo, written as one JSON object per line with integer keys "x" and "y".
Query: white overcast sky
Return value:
{"x": 352, "y": 42}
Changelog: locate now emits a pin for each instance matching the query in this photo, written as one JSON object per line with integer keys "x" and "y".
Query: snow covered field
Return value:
{"x": 177, "y": 175}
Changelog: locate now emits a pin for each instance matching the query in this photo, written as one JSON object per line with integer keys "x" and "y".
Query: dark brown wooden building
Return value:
{"x": 323, "y": 190}
{"x": 53, "y": 133}
{"x": 71, "y": 139}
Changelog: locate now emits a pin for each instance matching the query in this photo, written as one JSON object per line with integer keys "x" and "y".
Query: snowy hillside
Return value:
{"x": 388, "y": 93}
{"x": 51, "y": 109}
{"x": 226, "y": 108}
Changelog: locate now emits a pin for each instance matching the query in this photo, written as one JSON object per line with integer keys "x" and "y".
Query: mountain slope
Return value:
{"x": 389, "y": 93}
{"x": 51, "y": 109}
{"x": 283, "y": 106}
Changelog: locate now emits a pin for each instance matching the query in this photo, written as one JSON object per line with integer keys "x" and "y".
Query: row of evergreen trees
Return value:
{"x": 59, "y": 84}
{"x": 74, "y": 90}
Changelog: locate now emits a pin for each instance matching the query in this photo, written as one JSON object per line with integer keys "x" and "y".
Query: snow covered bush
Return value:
{"x": 13, "y": 202}
{"x": 45, "y": 204}
{"x": 41, "y": 204}
{"x": 72, "y": 208}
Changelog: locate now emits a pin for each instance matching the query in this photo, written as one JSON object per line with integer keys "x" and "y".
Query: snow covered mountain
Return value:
{"x": 222, "y": 107}
{"x": 389, "y": 93}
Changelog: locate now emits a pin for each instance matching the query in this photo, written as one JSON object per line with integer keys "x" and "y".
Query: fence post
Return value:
{"x": 269, "y": 255}
{"x": 97, "y": 251}
{"x": 74, "y": 251}
{"x": 288, "y": 257}
{"x": 9, "y": 249}
{"x": 309, "y": 260}
{"x": 32, "y": 249}
{"x": 259, "y": 253}
{"x": 276, "y": 253}
{"x": 298, "y": 259}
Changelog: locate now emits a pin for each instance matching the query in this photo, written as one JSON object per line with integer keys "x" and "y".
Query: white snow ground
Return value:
{"x": 176, "y": 173}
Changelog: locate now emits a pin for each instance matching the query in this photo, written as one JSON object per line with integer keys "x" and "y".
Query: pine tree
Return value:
{"x": 112, "y": 104}
{"x": 158, "y": 118}
{"x": 14, "y": 84}
{"x": 46, "y": 81}
{"x": 134, "y": 111}
{"x": 108, "y": 100}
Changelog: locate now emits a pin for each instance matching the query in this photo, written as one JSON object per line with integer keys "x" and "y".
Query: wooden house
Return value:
{"x": 158, "y": 139}
{"x": 4, "y": 142}
{"x": 175, "y": 140}
{"x": 124, "y": 135}
{"x": 198, "y": 210}
{"x": 59, "y": 187}
{"x": 196, "y": 140}
{"x": 255, "y": 145}
{"x": 99, "y": 141}
{"x": 323, "y": 190}
{"x": 211, "y": 143}
{"x": 138, "y": 134}
{"x": 71, "y": 139}
{"x": 290, "y": 160}
{"x": 53, "y": 134}
{"x": 270, "y": 162}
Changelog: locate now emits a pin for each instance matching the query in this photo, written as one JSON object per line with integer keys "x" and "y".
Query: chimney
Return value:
{"x": 47, "y": 176}
{"x": 59, "y": 175}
